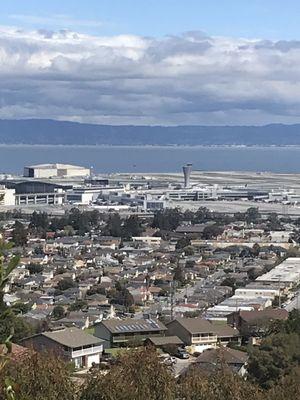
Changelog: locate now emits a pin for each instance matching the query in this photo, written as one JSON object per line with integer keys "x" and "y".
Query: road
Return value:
{"x": 182, "y": 365}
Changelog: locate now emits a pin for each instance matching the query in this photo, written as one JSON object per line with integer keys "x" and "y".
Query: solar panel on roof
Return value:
{"x": 122, "y": 328}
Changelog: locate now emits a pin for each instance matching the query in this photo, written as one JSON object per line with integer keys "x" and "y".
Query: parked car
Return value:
{"x": 167, "y": 359}
{"x": 182, "y": 354}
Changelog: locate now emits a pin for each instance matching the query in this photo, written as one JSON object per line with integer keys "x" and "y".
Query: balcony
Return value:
{"x": 204, "y": 339}
{"x": 133, "y": 337}
{"x": 86, "y": 352}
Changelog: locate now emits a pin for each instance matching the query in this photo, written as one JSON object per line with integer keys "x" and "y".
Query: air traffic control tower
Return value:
{"x": 187, "y": 169}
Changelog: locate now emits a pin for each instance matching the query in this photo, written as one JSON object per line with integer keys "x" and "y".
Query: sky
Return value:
{"x": 151, "y": 62}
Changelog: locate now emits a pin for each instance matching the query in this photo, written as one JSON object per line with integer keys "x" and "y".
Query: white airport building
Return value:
{"x": 55, "y": 171}
{"x": 7, "y": 196}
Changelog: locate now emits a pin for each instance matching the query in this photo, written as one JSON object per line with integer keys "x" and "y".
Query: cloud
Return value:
{"x": 186, "y": 79}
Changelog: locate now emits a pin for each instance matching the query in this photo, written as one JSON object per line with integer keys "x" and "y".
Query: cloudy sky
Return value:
{"x": 166, "y": 62}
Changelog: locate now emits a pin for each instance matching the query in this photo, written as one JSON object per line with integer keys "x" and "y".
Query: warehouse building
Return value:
{"x": 287, "y": 273}
{"x": 55, "y": 170}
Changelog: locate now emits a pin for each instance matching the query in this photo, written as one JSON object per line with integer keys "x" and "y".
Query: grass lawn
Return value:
{"x": 90, "y": 330}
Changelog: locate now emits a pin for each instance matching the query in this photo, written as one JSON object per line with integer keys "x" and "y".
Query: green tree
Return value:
{"x": 229, "y": 281}
{"x": 138, "y": 375}
{"x": 58, "y": 312}
{"x": 221, "y": 385}
{"x": 202, "y": 215}
{"x": 167, "y": 220}
{"x": 274, "y": 223}
{"x": 255, "y": 250}
{"x": 114, "y": 226}
{"x": 21, "y": 308}
{"x": 78, "y": 305}
{"x": 179, "y": 275}
{"x": 276, "y": 356}
{"x": 38, "y": 376}
{"x": 189, "y": 251}
{"x": 182, "y": 243}
{"x": 66, "y": 283}
{"x": 35, "y": 268}
{"x": 212, "y": 231}
{"x": 19, "y": 234}
{"x": 131, "y": 227}
{"x": 252, "y": 215}
{"x": 39, "y": 221}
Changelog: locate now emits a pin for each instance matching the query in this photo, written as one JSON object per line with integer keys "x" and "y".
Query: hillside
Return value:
{"x": 37, "y": 131}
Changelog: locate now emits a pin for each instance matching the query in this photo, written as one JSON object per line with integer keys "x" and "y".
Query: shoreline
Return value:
{"x": 154, "y": 146}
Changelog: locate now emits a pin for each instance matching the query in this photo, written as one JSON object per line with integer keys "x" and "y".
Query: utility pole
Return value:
{"x": 172, "y": 298}
{"x": 279, "y": 297}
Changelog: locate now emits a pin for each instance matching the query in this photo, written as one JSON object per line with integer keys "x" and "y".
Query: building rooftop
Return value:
{"x": 72, "y": 337}
{"x": 288, "y": 271}
{"x": 54, "y": 166}
{"x": 195, "y": 325}
{"x": 252, "y": 316}
{"x": 133, "y": 325}
{"x": 223, "y": 354}
{"x": 165, "y": 340}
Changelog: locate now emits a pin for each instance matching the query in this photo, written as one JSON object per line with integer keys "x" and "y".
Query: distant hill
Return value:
{"x": 41, "y": 131}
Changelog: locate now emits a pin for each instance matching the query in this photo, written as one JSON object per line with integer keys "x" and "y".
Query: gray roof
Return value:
{"x": 164, "y": 340}
{"x": 72, "y": 337}
{"x": 133, "y": 325}
{"x": 224, "y": 330}
{"x": 225, "y": 354}
{"x": 195, "y": 325}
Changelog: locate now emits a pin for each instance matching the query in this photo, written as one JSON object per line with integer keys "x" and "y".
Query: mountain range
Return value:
{"x": 52, "y": 132}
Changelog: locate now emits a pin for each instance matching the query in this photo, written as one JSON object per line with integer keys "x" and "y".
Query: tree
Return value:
{"x": 182, "y": 243}
{"x": 276, "y": 356}
{"x": 229, "y": 281}
{"x": 167, "y": 220}
{"x": 253, "y": 273}
{"x": 212, "y": 231}
{"x": 255, "y": 250}
{"x": 131, "y": 227}
{"x": 252, "y": 215}
{"x": 21, "y": 308}
{"x": 179, "y": 275}
{"x": 14, "y": 326}
{"x": 138, "y": 375}
{"x": 11, "y": 326}
{"x": 78, "y": 305}
{"x": 39, "y": 221}
{"x": 189, "y": 251}
{"x": 19, "y": 234}
{"x": 66, "y": 283}
{"x": 190, "y": 264}
{"x": 38, "y": 376}
{"x": 221, "y": 385}
{"x": 35, "y": 268}
{"x": 58, "y": 312}
{"x": 273, "y": 222}
{"x": 202, "y": 215}
{"x": 114, "y": 226}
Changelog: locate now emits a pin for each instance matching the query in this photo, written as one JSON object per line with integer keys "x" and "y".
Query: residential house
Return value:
{"x": 120, "y": 332}
{"x": 72, "y": 344}
{"x": 200, "y": 334}
{"x": 256, "y": 322}
{"x": 197, "y": 333}
{"x": 213, "y": 359}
